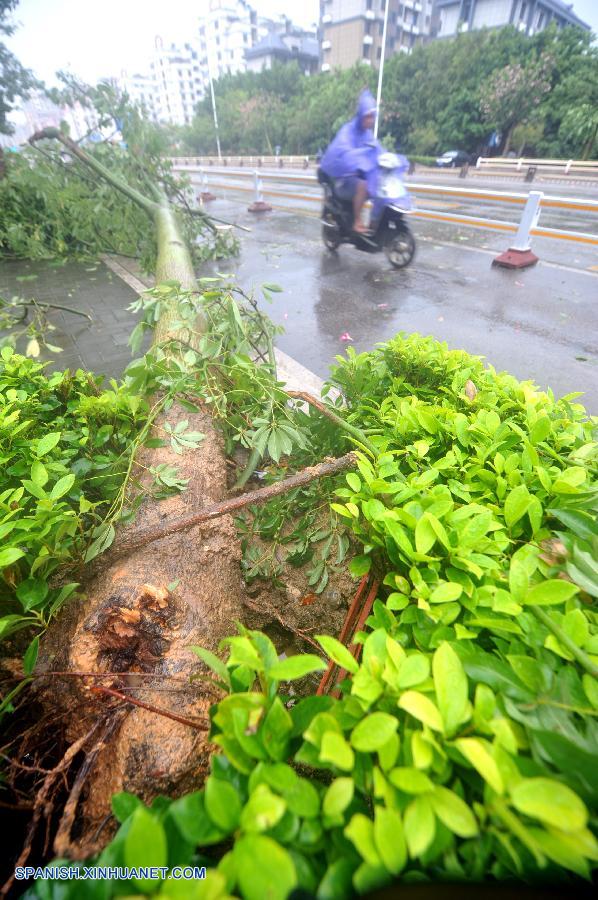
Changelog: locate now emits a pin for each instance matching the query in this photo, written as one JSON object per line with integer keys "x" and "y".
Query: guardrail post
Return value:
{"x": 568, "y": 166}
{"x": 259, "y": 204}
{"x": 519, "y": 254}
{"x": 205, "y": 194}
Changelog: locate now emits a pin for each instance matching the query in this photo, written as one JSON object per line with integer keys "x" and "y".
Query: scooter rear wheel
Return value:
{"x": 400, "y": 248}
{"x": 330, "y": 233}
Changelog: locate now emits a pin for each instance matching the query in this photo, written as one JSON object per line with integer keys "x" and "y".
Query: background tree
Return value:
{"x": 15, "y": 81}
{"x": 513, "y": 93}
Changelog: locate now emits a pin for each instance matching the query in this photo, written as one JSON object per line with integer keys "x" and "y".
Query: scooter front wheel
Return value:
{"x": 400, "y": 248}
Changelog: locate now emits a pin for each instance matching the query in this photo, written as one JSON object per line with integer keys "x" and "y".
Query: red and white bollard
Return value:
{"x": 205, "y": 193}
{"x": 519, "y": 255}
{"x": 259, "y": 204}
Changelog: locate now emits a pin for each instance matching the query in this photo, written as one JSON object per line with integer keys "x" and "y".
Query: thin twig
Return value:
{"x": 99, "y": 689}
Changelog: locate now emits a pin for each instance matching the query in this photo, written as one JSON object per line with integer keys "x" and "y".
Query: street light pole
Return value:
{"x": 213, "y": 105}
{"x": 381, "y": 70}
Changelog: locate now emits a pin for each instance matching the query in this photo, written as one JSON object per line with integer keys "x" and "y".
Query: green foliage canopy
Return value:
{"x": 431, "y": 99}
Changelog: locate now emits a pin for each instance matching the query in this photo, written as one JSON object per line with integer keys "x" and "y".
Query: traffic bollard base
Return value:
{"x": 516, "y": 259}
{"x": 259, "y": 206}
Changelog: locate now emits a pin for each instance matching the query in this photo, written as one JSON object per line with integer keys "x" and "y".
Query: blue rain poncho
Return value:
{"x": 354, "y": 148}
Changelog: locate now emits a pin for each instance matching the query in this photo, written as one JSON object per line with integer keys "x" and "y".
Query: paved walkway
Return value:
{"x": 101, "y": 345}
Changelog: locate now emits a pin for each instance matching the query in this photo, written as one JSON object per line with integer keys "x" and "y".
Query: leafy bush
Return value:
{"x": 62, "y": 442}
{"x": 463, "y": 744}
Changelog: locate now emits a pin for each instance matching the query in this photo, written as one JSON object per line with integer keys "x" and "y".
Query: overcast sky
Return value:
{"x": 96, "y": 38}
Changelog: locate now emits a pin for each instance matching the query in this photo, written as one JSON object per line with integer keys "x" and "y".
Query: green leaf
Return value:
{"x": 410, "y": 781}
{"x": 551, "y": 802}
{"x": 354, "y": 482}
{"x": 124, "y": 805}
{"x": 214, "y": 663}
{"x": 263, "y": 810}
{"x": 454, "y": 812}
{"x": 337, "y": 652}
{"x": 516, "y": 504}
{"x": 478, "y": 753}
{"x": 540, "y": 429}
{"x": 335, "y": 749}
{"x": 551, "y": 592}
{"x": 276, "y": 730}
{"x": 360, "y": 831}
{"x": 419, "y": 826}
{"x": 422, "y": 708}
{"x": 30, "y": 657}
{"x": 275, "y": 288}
{"x": 296, "y": 667}
{"x": 373, "y": 732}
{"x": 10, "y": 556}
{"x": 31, "y": 592}
{"x": 265, "y": 871}
{"x": 222, "y": 803}
{"x": 414, "y": 669}
{"x": 62, "y": 487}
{"x": 450, "y": 684}
{"x": 390, "y": 839}
{"x": 39, "y": 474}
{"x": 145, "y": 843}
{"x": 338, "y": 796}
{"x": 48, "y": 442}
{"x": 360, "y": 565}
{"x": 190, "y": 817}
{"x": 425, "y": 536}
{"x": 446, "y": 592}
{"x": 104, "y": 539}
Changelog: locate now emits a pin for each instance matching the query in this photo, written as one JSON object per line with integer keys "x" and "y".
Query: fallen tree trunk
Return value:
{"x": 141, "y": 613}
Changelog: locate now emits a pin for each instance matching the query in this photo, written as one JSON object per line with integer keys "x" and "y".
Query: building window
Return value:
{"x": 523, "y": 10}
{"x": 366, "y": 51}
{"x": 369, "y": 4}
{"x": 379, "y": 53}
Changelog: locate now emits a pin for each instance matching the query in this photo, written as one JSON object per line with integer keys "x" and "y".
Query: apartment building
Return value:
{"x": 352, "y": 30}
{"x": 226, "y": 32}
{"x": 530, "y": 16}
{"x": 284, "y": 43}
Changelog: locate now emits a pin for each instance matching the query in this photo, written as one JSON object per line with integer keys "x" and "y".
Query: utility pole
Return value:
{"x": 381, "y": 70}
{"x": 214, "y": 105}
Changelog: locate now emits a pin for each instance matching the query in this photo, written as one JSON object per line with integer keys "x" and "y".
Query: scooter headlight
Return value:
{"x": 391, "y": 187}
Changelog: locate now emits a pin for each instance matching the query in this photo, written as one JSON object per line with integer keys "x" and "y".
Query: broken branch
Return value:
{"x": 326, "y": 411}
{"x": 146, "y": 535}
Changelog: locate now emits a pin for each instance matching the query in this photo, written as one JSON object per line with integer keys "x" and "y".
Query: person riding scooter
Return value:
{"x": 351, "y": 157}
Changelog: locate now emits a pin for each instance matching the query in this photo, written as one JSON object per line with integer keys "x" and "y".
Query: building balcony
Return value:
{"x": 326, "y": 45}
{"x": 370, "y": 14}
{"x": 326, "y": 19}
{"x": 368, "y": 39}
{"x": 325, "y": 67}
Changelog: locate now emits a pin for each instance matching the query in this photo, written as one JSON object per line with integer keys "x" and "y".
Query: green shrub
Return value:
{"x": 462, "y": 746}
{"x": 63, "y": 446}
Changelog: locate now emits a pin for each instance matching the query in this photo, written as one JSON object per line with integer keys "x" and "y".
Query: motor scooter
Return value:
{"x": 388, "y": 230}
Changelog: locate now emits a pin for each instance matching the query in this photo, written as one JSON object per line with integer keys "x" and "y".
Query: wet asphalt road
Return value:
{"x": 539, "y": 324}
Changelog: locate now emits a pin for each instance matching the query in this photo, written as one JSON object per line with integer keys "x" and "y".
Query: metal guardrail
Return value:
{"x": 564, "y": 166}
{"x": 536, "y": 198}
